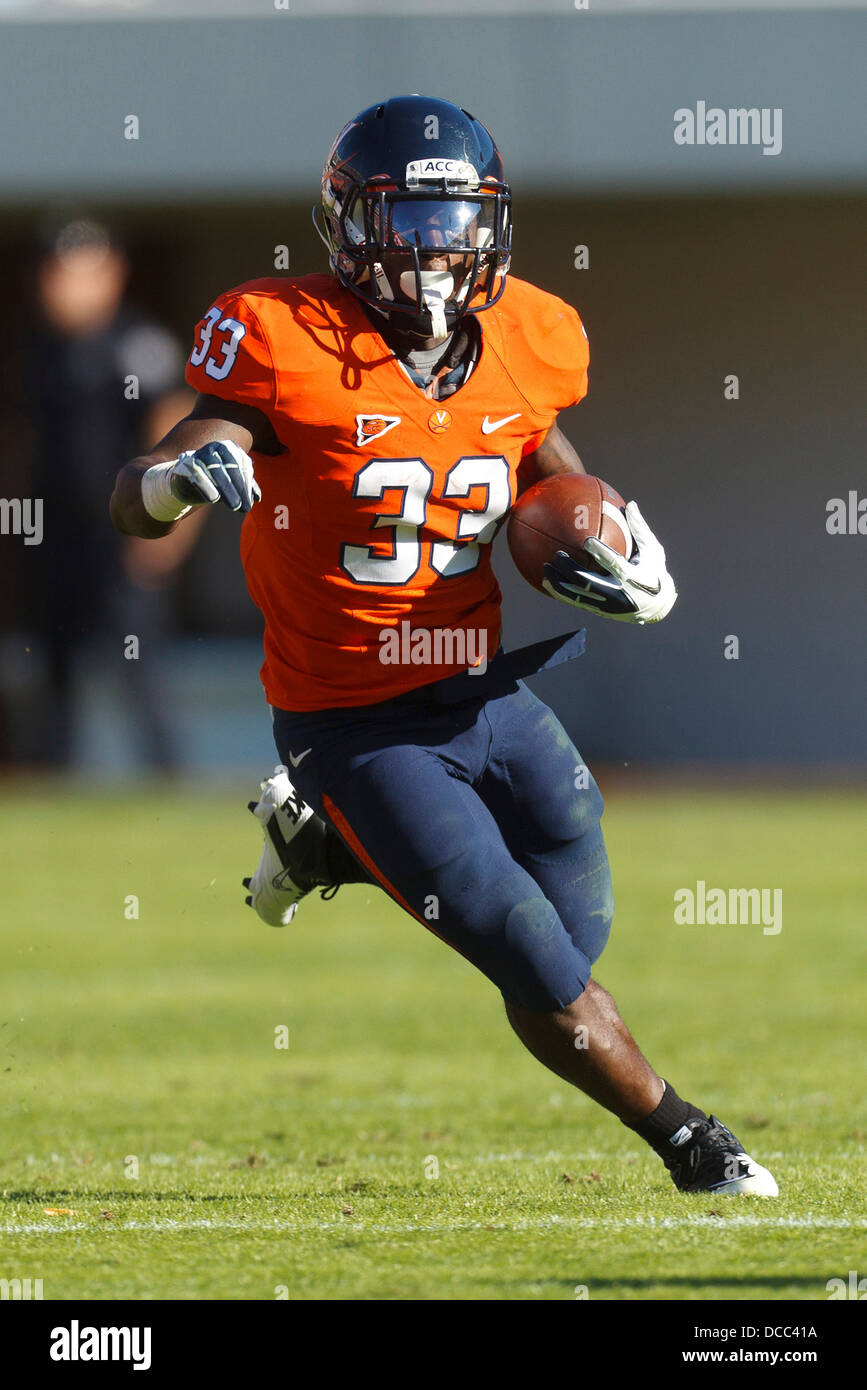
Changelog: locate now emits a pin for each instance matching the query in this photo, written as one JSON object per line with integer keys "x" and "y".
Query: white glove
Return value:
{"x": 637, "y": 590}
{"x": 217, "y": 472}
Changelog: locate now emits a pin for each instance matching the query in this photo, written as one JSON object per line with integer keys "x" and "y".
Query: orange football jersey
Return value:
{"x": 369, "y": 552}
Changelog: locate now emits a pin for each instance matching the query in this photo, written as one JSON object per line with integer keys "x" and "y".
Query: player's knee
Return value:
{"x": 586, "y": 807}
{"x": 600, "y": 914}
{"x": 585, "y": 800}
{"x": 544, "y": 970}
{"x": 572, "y": 802}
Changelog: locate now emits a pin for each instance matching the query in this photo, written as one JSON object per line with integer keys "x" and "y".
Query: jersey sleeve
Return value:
{"x": 563, "y": 361}
{"x": 565, "y": 352}
{"x": 231, "y": 356}
{"x": 545, "y": 348}
{"x": 559, "y": 371}
{"x": 581, "y": 361}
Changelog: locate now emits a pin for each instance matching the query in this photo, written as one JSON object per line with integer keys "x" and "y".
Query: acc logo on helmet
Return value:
{"x": 457, "y": 169}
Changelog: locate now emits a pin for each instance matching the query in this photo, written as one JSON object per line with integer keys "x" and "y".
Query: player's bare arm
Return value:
{"x": 555, "y": 455}
{"x": 210, "y": 420}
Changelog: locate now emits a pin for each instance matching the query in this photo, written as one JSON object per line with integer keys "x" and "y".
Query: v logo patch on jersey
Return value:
{"x": 370, "y": 427}
{"x": 439, "y": 421}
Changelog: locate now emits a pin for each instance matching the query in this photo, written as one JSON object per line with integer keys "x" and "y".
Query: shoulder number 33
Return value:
{"x": 216, "y": 366}
{"x": 413, "y": 480}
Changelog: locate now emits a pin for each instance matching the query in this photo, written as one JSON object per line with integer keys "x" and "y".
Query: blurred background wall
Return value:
{"x": 703, "y": 262}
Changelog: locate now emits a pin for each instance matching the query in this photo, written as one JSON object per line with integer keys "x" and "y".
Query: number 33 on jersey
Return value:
{"x": 384, "y": 504}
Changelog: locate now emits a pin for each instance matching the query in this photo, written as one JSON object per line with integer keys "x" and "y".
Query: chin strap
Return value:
{"x": 437, "y": 286}
{"x": 435, "y": 304}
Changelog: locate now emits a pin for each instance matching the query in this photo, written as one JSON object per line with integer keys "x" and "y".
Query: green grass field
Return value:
{"x": 148, "y": 1045}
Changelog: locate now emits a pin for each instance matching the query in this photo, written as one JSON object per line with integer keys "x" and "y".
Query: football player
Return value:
{"x": 373, "y": 426}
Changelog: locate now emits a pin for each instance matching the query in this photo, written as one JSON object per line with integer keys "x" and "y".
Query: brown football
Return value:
{"x": 559, "y": 513}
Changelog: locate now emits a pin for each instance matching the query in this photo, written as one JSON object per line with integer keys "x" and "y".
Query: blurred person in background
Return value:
{"x": 101, "y": 380}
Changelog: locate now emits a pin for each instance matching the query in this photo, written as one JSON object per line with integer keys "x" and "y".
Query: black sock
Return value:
{"x": 664, "y": 1128}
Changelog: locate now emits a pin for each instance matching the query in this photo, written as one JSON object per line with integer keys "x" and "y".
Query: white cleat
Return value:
{"x": 273, "y": 891}
{"x": 756, "y": 1182}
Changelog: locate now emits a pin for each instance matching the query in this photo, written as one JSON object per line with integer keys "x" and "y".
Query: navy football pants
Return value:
{"x": 476, "y": 819}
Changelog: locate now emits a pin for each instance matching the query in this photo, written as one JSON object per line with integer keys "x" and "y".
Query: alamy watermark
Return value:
{"x": 853, "y": 1287}
{"x": 22, "y": 516}
{"x": 77, "y": 1343}
{"x": 737, "y": 125}
{"x": 435, "y": 646}
{"x": 846, "y": 516}
{"x": 20, "y": 1289}
{"x": 720, "y": 907}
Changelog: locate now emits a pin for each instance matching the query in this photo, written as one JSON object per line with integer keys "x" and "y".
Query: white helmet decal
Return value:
{"x": 425, "y": 170}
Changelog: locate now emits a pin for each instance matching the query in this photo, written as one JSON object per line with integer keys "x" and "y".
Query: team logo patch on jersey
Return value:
{"x": 439, "y": 421}
{"x": 369, "y": 427}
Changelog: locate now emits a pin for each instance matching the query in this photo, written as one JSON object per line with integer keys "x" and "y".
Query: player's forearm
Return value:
{"x": 127, "y": 509}
{"x": 202, "y": 426}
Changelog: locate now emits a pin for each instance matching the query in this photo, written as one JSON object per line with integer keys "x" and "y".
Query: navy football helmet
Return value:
{"x": 417, "y": 217}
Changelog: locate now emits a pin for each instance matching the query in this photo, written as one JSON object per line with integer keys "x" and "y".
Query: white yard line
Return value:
{"x": 590, "y": 1223}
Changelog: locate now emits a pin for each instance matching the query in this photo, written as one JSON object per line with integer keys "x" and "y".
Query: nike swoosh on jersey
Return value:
{"x": 300, "y": 758}
{"x": 488, "y": 426}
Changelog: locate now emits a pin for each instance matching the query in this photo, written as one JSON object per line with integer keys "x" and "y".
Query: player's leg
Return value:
{"x": 548, "y": 809}
{"x": 396, "y": 785}
{"x": 426, "y": 838}
{"x": 589, "y": 1045}
{"x": 411, "y": 818}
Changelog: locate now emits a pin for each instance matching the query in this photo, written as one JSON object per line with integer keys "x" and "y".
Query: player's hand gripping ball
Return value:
{"x": 573, "y": 537}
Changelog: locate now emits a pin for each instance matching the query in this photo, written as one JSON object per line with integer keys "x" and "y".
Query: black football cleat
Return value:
{"x": 710, "y": 1159}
